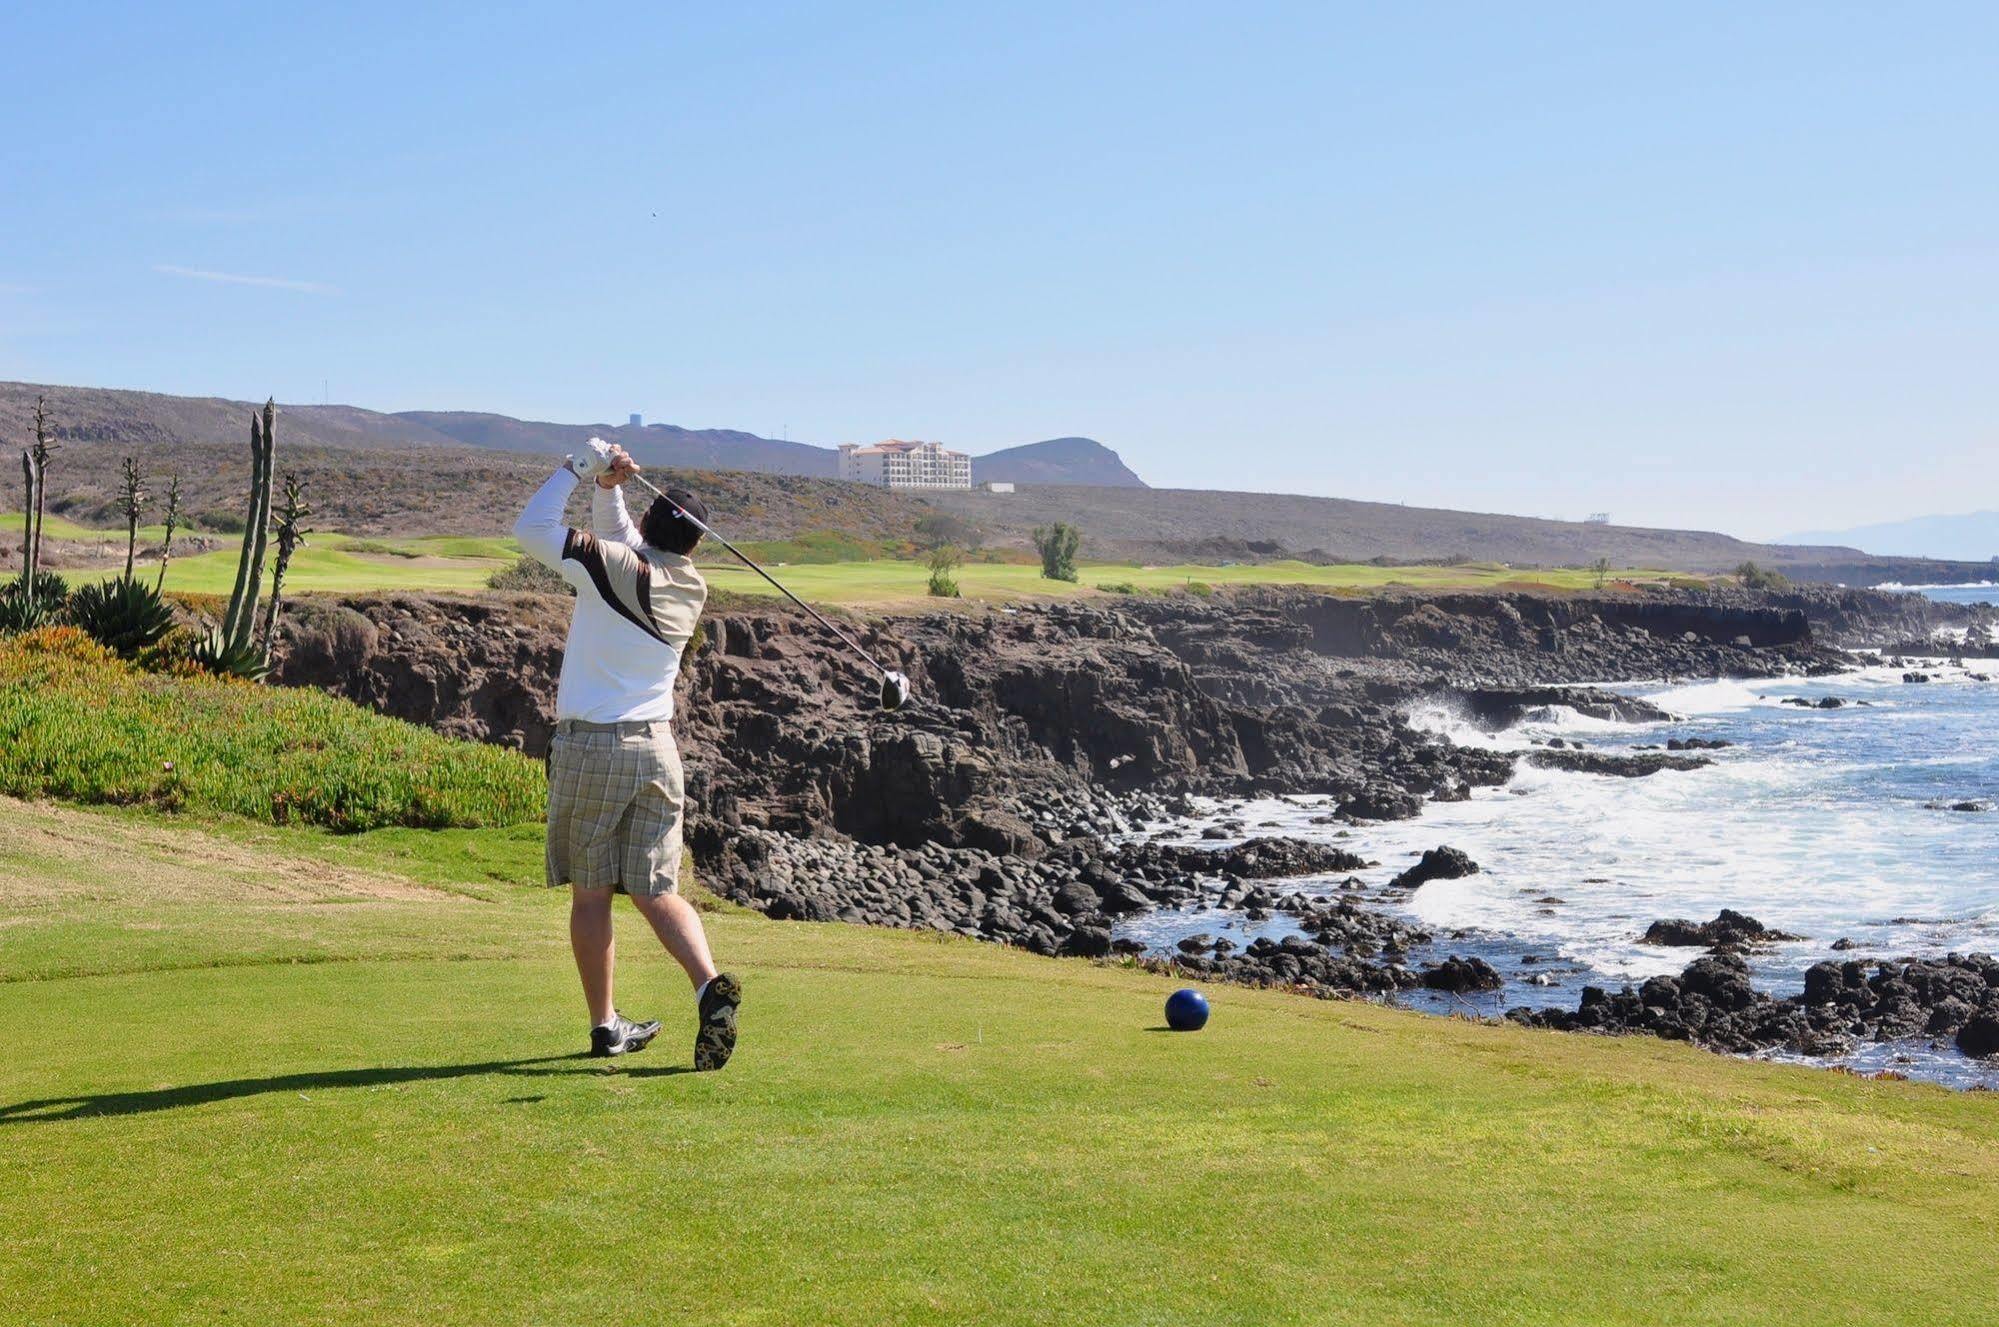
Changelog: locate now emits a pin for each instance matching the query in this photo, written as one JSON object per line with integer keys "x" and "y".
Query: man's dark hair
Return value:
{"x": 669, "y": 531}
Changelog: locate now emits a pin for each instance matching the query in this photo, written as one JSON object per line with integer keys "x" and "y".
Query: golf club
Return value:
{"x": 895, "y": 686}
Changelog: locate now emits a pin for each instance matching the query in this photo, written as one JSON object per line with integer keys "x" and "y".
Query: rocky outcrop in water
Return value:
{"x": 1843, "y": 1004}
{"x": 1729, "y": 930}
{"x": 1440, "y": 863}
{"x": 1627, "y": 765}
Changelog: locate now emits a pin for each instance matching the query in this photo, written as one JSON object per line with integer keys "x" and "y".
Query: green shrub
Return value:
{"x": 121, "y": 615}
{"x": 1118, "y": 587}
{"x": 1201, "y": 588}
{"x": 1058, "y": 544}
{"x": 218, "y": 520}
{"x": 1754, "y": 577}
{"x": 944, "y": 559}
{"x": 376, "y": 548}
{"x": 77, "y": 723}
{"x": 528, "y": 576}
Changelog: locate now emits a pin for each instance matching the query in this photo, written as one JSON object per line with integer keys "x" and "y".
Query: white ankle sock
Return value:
{"x": 701, "y": 990}
{"x": 609, "y": 1022}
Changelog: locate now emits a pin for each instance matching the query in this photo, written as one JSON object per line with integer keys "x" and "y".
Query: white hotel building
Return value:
{"x": 898, "y": 464}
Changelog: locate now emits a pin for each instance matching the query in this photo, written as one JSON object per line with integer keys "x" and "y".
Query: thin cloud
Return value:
{"x": 238, "y": 279}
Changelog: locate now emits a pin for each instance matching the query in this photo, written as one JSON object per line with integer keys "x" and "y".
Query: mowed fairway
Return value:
{"x": 264, "y": 1075}
{"x": 337, "y": 563}
{"x": 888, "y": 582}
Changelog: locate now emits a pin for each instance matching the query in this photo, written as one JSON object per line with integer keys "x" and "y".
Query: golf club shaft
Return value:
{"x": 747, "y": 561}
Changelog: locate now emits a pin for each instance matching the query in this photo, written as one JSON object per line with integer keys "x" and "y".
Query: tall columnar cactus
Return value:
{"x": 131, "y": 497}
{"x": 241, "y": 617}
{"x": 291, "y": 535}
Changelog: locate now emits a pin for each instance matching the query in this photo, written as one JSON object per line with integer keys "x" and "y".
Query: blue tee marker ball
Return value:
{"x": 1186, "y": 1010}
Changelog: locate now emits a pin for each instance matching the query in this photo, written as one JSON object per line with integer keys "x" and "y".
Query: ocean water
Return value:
{"x": 1830, "y": 824}
{"x": 1983, "y": 592}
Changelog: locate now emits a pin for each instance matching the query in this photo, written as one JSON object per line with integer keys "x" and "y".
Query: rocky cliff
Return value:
{"x": 1023, "y": 710}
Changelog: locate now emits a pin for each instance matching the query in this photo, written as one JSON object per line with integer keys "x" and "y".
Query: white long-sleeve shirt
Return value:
{"x": 636, "y": 606}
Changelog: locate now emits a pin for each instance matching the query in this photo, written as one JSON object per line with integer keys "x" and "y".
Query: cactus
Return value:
{"x": 291, "y": 536}
{"x": 241, "y": 616}
{"x": 132, "y": 497}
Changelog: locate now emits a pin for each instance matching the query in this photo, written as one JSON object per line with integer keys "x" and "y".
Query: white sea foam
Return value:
{"x": 1817, "y": 822}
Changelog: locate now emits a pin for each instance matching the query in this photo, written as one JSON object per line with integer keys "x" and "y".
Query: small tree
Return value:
{"x": 173, "y": 523}
{"x": 1600, "y": 571}
{"x": 944, "y": 559}
{"x": 132, "y": 500}
{"x": 1057, "y": 544}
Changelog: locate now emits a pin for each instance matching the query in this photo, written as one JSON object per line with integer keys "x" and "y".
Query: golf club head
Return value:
{"x": 895, "y": 690}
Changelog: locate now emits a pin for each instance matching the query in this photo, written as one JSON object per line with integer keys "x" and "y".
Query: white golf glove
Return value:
{"x": 593, "y": 460}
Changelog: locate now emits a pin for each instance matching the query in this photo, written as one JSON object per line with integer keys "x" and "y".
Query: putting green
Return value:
{"x": 278, "y": 1076}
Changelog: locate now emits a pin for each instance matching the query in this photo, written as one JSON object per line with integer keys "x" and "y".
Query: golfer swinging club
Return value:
{"x": 615, "y": 789}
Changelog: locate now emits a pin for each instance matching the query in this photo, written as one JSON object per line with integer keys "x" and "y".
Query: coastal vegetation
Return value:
{"x": 80, "y": 724}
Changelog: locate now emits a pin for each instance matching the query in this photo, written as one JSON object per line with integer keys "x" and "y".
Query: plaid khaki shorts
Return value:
{"x": 615, "y": 793}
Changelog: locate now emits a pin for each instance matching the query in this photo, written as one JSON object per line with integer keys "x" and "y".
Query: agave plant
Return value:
{"x": 21, "y": 611}
{"x": 218, "y": 654}
{"x": 124, "y": 615}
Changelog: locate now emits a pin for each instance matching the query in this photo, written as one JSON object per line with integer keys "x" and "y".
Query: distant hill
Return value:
{"x": 1057, "y": 461}
{"x": 149, "y": 419}
{"x": 1972, "y": 537}
{"x": 476, "y": 469}
{"x": 1207, "y": 525}
{"x": 651, "y": 444}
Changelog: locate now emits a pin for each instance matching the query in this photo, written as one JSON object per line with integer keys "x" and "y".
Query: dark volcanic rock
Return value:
{"x": 1712, "y": 1003}
{"x": 1728, "y": 928}
{"x": 1624, "y": 766}
{"x": 1979, "y": 1037}
{"x": 1462, "y": 974}
{"x": 1441, "y": 863}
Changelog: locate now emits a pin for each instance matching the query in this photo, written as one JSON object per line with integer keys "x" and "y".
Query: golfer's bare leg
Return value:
{"x": 595, "y": 947}
{"x": 678, "y": 926}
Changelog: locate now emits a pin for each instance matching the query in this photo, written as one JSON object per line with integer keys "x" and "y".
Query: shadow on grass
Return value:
{"x": 201, "y": 1094}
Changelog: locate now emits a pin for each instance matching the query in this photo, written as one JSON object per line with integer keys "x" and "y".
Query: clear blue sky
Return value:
{"x": 1732, "y": 266}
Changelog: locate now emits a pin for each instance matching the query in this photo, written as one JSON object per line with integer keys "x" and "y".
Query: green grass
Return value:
{"x": 77, "y": 724}
{"x": 825, "y": 567}
{"x": 336, "y": 563}
{"x": 331, "y": 1080}
{"x": 893, "y": 582}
